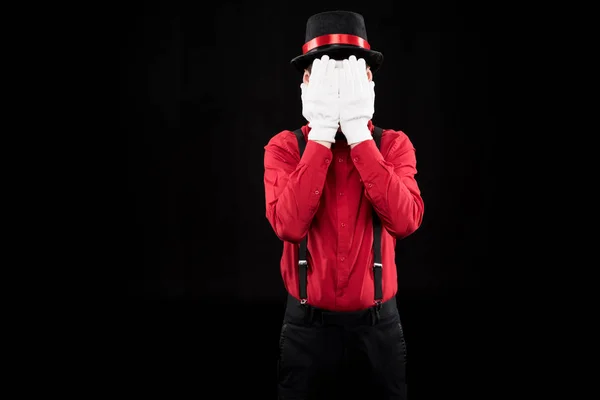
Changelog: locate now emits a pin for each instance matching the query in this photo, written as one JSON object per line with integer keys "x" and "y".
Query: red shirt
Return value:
{"x": 330, "y": 194}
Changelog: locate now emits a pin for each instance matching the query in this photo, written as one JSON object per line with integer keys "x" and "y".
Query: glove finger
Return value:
{"x": 323, "y": 67}
{"x": 350, "y": 77}
{"x": 354, "y": 67}
{"x": 330, "y": 76}
{"x": 324, "y": 81}
{"x": 356, "y": 82}
{"x": 342, "y": 82}
{"x": 333, "y": 79}
{"x": 361, "y": 67}
{"x": 347, "y": 68}
{"x": 372, "y": 93}
{"x": 315, "y": 71}
{"x": 333, "y": 82}
{"x": 327, "y": 77}
{"x": 359, "y": 76}
{"x": 361, "y": 63}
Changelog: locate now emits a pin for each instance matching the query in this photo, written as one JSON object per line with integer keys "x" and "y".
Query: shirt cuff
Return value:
{"x": 316, "y": 156}
{"x": 364, "y": 153}
{"x": 369, "y": 163}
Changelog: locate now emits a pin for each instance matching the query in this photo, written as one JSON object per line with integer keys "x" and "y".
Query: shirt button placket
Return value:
{"x": 344, "y": 235}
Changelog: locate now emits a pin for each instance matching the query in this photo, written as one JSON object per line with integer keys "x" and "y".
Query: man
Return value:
{"x": 339, "y": 193}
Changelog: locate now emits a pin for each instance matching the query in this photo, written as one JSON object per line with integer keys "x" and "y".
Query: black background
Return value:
{"x": 203, "y": 89}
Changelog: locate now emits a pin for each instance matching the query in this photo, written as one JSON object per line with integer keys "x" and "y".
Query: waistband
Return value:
{"x": 305, "y": 314}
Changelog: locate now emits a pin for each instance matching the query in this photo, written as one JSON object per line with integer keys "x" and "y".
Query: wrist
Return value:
{"x": 322, "y": 134}
{"x": 323, "y": 143}
{"x": 356, "y": 131}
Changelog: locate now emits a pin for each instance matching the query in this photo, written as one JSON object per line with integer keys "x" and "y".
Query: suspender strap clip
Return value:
{"x": 302, "y": 280}
{"x": 377, "y": 278}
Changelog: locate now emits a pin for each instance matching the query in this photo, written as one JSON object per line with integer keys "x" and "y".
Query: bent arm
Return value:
{"x": 390, "y": 184}
{"x": 293, "y": 186}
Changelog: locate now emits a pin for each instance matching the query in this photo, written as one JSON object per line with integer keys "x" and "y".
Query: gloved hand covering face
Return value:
{"x": 320, "y": 100}
{"x": 356, "y": 100}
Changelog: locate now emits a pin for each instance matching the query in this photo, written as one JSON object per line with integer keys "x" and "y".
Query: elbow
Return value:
{"x": 290, "y": 233}
{"x": 400, "y": 231}
{"x": 406, "y": 229}
{"x": 287, "y": 230}
{"x": 407, "y": 223}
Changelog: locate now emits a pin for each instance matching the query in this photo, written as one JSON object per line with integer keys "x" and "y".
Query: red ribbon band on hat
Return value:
{"x": 335, "y": 38}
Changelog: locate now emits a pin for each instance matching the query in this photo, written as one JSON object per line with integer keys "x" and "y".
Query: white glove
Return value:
{"x": 320, "y": 104}
{"x": 357, "y": 100}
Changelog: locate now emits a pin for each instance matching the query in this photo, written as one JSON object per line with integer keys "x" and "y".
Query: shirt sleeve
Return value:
{"x": 390, "y": 183}
{"x": 293, "y": 186}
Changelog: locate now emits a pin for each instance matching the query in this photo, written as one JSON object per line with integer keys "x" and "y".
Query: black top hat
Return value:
{"x": 339, "y": 34}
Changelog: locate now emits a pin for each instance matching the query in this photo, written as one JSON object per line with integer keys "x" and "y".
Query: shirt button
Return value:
{"x": 370, "y": 184}
{"x": 340, "y": 159}
{"x": 342, "y": 259}
{"x": 327, "y": 161}
{"x": 343, "y": 225}
{"x": 355, "y": 159}
{"x": 316, "y": 192}
{"x": 341, "y": 194}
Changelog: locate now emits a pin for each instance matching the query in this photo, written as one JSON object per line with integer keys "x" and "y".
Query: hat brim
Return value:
{"x": 373, "y": 58}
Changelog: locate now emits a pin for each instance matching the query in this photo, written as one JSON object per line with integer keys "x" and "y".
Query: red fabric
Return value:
{"x": 332, "y": 191}
{"x": 335, "y": 38}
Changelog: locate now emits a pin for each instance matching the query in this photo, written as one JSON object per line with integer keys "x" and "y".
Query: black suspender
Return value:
{"x": 302, "y": 260}
{"x": 377, "y": 265}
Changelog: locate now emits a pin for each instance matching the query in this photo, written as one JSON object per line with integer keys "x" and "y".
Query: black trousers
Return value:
{"x": 341, "y": 355}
